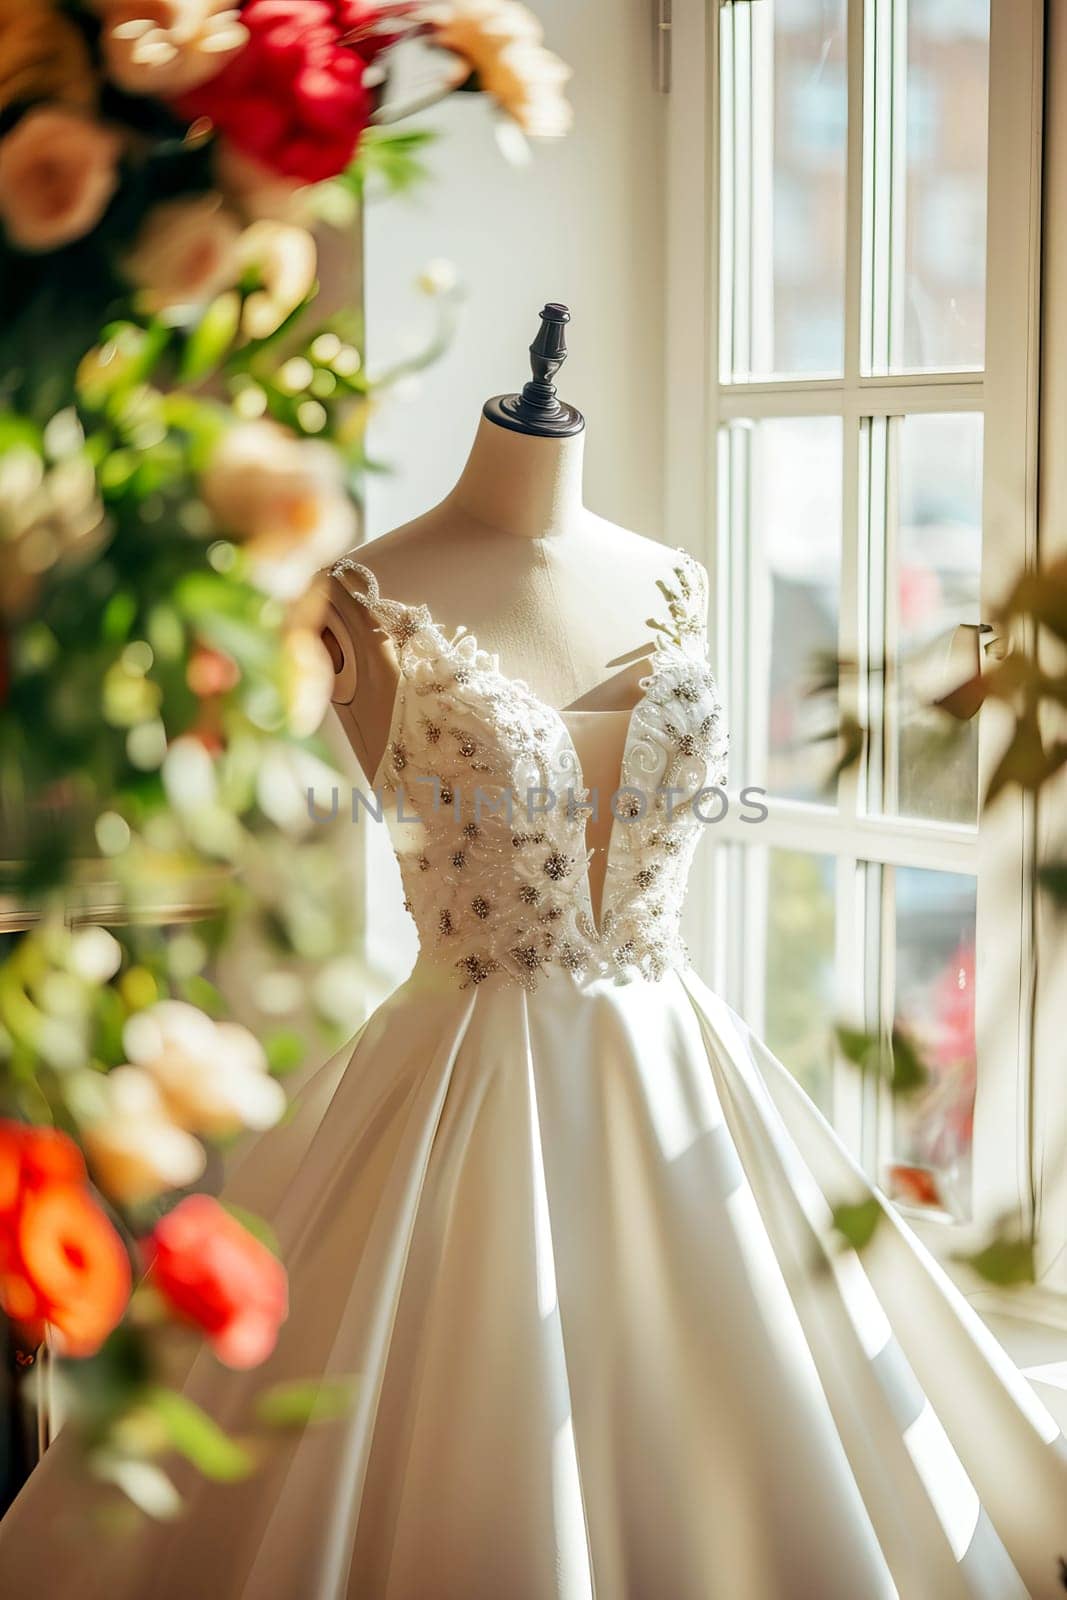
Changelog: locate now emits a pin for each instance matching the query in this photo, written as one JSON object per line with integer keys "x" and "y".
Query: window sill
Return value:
{"x": 1038, "y": 1350}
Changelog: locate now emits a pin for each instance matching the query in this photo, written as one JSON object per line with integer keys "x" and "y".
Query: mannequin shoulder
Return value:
{"x": 398, "y": 559}
{"x": 651, "y": 558}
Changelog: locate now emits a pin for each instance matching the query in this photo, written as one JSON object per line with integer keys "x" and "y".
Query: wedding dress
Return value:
{"x": 568, "y": 1222}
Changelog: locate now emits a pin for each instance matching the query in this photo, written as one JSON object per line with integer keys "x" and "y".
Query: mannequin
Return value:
{"x": 560, "y": 596}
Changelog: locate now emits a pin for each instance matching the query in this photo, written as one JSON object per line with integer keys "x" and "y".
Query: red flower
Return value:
{"x": 916, "y": 1185}
{"x": 62, "y": 1265}
{"x": 294, "y": 98}
{"x": 212, "y": 1272}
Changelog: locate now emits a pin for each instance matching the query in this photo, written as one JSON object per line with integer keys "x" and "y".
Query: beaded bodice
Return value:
{"x": 483, "y": 790}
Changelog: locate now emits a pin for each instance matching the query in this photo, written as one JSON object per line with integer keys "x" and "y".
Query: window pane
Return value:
{"x": 792, "y": 616}
{"x": 784, "y": 111}
{"x": 933, "y": 765}
{"x": 935, "y": 924}
{"x": 946, "y": 131}
{"x": 799, "y": 995}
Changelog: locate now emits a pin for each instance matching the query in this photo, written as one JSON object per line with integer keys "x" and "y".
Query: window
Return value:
{"x": 868, "y": 219}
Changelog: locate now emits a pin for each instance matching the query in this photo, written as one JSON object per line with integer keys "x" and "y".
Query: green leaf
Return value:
{"x": 1026, "y": 761}
{"x": 857, "y": 1221}
{"x": 391, "y": 156}
{"x": 1053, "y": 879}
{"x": 897, "y": 1060}
{"x": 212, "y": 337}
{"x": 106, "y": 1384}
{"x": 201, "y": 992}
{"x": 1007, "y": 1260}
{"x": 907, "y": 1071}
{"x": 19, "y": 433}
{"x": 200, "y": 1440}
{"x": 854, "y": 1044}
{"x": 285, "y": 1051}
{"x": 295, "y": 1405}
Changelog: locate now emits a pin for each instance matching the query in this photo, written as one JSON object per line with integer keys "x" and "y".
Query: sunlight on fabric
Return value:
{"x": 547, "y": 1297}
{"x": 571, "y": 1542}
{"x": 680, "y": 1116}
{"x": 954, "y": 1497}
{"x": 1054, "y": 1374}
{"x": 864, "y": 1307}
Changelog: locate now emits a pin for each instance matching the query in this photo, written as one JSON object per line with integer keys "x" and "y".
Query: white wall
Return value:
{"x": 582, "y": 223}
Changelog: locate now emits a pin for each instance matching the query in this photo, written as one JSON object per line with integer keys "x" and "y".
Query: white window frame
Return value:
{"x": 1000, "y": 852}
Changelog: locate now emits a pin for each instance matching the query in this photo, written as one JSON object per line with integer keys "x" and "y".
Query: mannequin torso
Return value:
{"x": 561, "y": 597}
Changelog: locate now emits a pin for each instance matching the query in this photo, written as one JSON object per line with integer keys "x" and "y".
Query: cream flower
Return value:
{"x": 57, "y": 174}
{"x": 167, "y": 47}
{"x": 284, "y": 498}
{"x": 135, "y": 1149}
{"x": 47, "y": 514}
{"x": 212, "y": 1075}
{"x": 283, "y": 258}
{"x": 185, "y": 254}
{"x": 500, "y": 41}
{"x": 309, "y": 679}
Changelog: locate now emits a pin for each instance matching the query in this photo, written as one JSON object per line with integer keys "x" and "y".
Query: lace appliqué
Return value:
{"x": 483, "y": 789}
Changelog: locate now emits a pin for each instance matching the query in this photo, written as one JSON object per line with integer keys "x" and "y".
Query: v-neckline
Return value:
{"x": 488, "y": 663}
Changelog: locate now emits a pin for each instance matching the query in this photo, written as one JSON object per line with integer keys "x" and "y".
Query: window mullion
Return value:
{"x": 874, "y": 663}
{"x": 857, "y": 279}
{"x": 850, "y": 965}
{"x": 888, "y": 800}
{"x": 877, "y": 189}
{"x": 741, "y": 332}
{"x": 728, "y": 168}
{"x": 761, "y": 196}
{"x": 878, "y": 1136}
{"x": 896, "y": 197}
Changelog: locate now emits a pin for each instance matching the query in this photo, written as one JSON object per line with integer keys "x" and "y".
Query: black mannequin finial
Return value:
{"x": 538, "y": 409}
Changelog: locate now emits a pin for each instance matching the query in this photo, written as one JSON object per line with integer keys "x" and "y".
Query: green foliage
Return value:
{"x": 856, "y": 1221}
{"x": 895, "y": 1060}
{"x": 1053, "y": 879}
{"x": 296, "y": 1405}
{"x": 388, "y": 159}
{"x": 1007, "y": 1259}
{"x": 192, "y": 1433}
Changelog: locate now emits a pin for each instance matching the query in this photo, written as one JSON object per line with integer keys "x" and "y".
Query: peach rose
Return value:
{"x": 57, "y": 175}
{"x": 212, "y": 1076}
{"x": 500, "y": 41}
{"x": 284, "y": 499}
{"x": 167, "y": 47}
{"x": 135, "y": 1149}
{"x": 185, "y": 253}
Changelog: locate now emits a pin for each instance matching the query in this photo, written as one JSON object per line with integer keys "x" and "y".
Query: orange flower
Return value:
{"x": 62, "y": 1265}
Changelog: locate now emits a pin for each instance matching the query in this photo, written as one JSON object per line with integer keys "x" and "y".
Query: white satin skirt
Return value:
{"x": 575, "y": 1248}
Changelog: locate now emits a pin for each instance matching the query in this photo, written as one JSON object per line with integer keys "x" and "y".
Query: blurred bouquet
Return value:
{"x": 180, "y": 449}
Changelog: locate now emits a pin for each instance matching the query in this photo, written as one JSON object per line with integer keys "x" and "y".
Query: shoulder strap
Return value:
{"x": 401, "y": 622}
